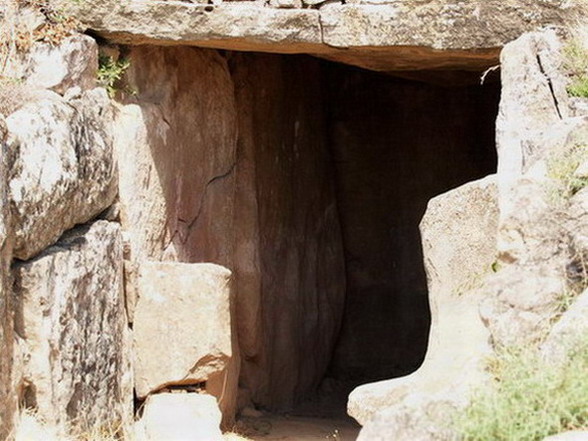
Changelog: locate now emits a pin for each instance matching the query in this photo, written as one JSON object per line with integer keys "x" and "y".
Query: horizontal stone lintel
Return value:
{"x": 400, "y": 35}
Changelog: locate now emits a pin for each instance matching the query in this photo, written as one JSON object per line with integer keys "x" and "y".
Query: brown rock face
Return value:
{"x": 176, "y": 152}
{"x": 290, "y": 269}
{"x": 176, "y": 148}
{"x": 275, "y": 226}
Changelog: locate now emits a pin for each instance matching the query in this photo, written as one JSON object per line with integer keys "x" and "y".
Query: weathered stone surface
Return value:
{"x": 434, "y": 24}
{"x": 578, "y": 230}
{"x": 286, "y": 4}
{"x": 8, "y": 397}
{"x": 73, "y": 62}
{"x": 70, "y": 314}
{"x": 182, "y": 324}
{"x": 423, "y": 418}
{"x": 181, "y": 416}
{"x": 62, "y": 171}
{"x": 535, "y": 239}
{"x": 458, "y": 235}
{"x": 521, "y": 301}
{"x": 428, "y": 34}
{"x": 533, "y": 98}
{"x": 176, "y": 177}
{"x": 242, "y": 26}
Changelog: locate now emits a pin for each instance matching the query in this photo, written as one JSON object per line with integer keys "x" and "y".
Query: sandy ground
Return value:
{"x": 321, "y": 418}
{"x": 294, "y": 428}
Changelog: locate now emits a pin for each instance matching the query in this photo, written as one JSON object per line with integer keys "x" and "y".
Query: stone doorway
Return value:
{"x": 307, "y": 179}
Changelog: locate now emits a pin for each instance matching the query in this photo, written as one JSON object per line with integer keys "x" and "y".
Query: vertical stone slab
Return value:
{"x": 71, "y": 316}
{"x": 289, "y": 252}
{"x": 7, "y": 395}
{"x": 176, "y": 150}
{"x": 533, "y": 98}
{"x": 176, "y": 154}
{"x": 459, "y": 245}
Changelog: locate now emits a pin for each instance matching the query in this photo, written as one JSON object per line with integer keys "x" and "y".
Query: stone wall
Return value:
{"x": 231, "y": 166}
{"x": 64, "y": 339}
{"x": 176, "y": 144}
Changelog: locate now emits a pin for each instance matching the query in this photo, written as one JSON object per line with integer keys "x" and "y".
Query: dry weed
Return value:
{"x": 31, "y": 427}
{"x": 24, "y": 22}
{"x": 13, "y": 95}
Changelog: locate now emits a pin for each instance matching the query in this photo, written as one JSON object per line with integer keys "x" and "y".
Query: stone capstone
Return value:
{"x": 388, "y": 36}
{"x": 71, "y": 319}
{"x": 182, "y": 324}
{"x": 179, "y": 416}
{"x": 62, "y": 170}
{"x": 458, "y": 236}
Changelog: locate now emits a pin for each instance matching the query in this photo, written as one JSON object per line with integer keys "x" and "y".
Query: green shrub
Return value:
{"x": 576, "y": 63}
{"x": 579, "y": 87}
{"x": 529, "y": 399}
{"x": 111, "y": 72}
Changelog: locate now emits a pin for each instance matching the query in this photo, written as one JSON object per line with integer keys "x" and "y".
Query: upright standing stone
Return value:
{"x": 459, "y": 245}
{"x": 182, "y": 324}
{"x": 7, "y": 396}
{"x": 71, "y": 315}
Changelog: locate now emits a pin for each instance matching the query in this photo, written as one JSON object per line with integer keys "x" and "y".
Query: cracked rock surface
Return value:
{"x": 386, "y": 36}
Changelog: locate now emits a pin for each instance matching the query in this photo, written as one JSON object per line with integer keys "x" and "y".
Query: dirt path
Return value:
{"x": 321, "y": 418}
{"x": 293, "y": 428}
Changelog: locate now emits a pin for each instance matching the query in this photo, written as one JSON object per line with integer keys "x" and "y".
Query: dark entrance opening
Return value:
{"x": 308, "y": 179}
{"x": 395, "y": 144}
{"x": 345, "y": 162}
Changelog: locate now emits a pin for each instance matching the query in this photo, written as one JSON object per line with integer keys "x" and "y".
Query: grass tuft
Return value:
{"x": 529, "y": 399}
{"x": 562, "y": 169}
{"x": 31, "y": 427}
{"x": 111, "y": 72}
{"x": 576, "y": 62}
